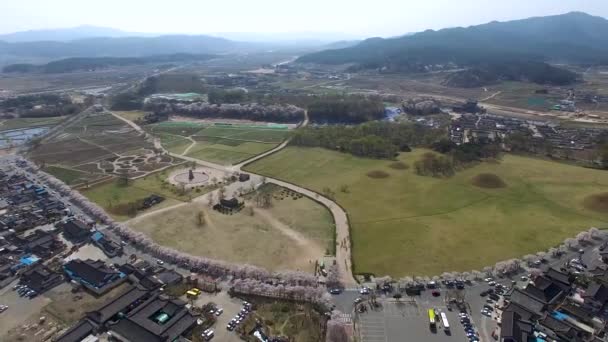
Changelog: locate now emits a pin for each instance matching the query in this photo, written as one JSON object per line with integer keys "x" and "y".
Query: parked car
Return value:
{"x": 219, "y": 311}
{"x": 436, "y": 293}
{"x": 208, "y": 334}
{"x": 364, "y": 290}
{"x": 3, "y": 308}
{"x": 335, "y": 291}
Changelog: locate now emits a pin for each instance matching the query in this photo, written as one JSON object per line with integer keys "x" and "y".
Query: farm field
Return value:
{"x": 17, "y": 123}
{"x": 68, "y": 176}
{"x": 100, "y": 145}
{"x": 446, "y": 224}
{"x": 290, "y": 241}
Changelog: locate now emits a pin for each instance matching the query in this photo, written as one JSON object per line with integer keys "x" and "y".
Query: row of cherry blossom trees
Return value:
{"x": 247, "y": 111}
{"x": 512, "y": 266}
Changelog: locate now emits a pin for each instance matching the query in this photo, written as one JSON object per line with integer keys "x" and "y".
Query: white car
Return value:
{"x": 487, "y": 280}
{"x": 3, "y": 308}
{"x": 364, "y": 291}
{"x": 208, "y": 334}
{"x": 160, "y": 262}
{"x": 492, "y": 283}
{"x": 219, "y": 311}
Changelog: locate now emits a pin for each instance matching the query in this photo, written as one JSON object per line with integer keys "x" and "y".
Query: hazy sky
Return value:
{"x": 358, "y": 17}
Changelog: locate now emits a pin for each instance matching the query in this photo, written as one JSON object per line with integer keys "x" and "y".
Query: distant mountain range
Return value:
{"x": 124, "y": 47}
{"x": 573, "y": 37}
{"x": 68, "y": 34}
{"x": 42, "y": 46}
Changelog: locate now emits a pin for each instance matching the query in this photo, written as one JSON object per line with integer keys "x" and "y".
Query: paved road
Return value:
{"x": 343, "y": 248}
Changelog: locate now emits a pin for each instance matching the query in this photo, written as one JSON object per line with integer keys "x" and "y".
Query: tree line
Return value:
{"x": 248, "y": 111}
{"x": 451, "y": 157}
{"x": 345, "y": 109}
{"x": 372, "y": 139}
{"x": 41, "y": 106}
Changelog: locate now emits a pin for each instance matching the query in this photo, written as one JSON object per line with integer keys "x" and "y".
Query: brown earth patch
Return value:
{"x": 597, "y": 202}
{"x": 377, "y": 174}
{"x": 488, "y": 181}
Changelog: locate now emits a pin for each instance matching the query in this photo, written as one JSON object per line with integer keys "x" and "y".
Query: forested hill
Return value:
{"x": 573, "y": 37}
{"x": 95, "y": 63}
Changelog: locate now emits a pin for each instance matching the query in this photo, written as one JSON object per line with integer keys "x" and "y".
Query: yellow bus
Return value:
{"x": 432, "y": 319}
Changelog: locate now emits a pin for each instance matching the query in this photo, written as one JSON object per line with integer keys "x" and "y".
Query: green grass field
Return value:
{"x": 412, "y": 225}
{"x": 217, "y": 144}
{"x": 174, "y": 143}
{"x": 244, "y": 133}
{"x": 228, "y": 154}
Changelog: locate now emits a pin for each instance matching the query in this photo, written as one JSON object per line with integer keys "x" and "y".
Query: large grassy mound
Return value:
{"x": 488, "y": 181}
{"x": 407, "y": 224}
{"x": 597, "y": 202}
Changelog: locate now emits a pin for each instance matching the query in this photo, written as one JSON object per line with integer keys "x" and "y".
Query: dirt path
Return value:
{"x": 129, "y": 122}
{"x": 491, "y": 96}
{"x": 193, "y": 142}
{"x": 312, "y": 248}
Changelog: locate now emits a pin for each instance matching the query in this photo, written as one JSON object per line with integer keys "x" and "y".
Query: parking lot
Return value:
{"x": 231, "y": 307}
{"x": 406, "y": 321}
{"x": 19, "y": 308}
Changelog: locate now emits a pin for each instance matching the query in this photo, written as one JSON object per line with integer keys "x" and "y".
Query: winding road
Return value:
{"x": 343, "y": 246}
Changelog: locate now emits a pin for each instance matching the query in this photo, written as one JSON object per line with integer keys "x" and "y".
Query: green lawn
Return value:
{"x": 222, "y": 145}
{"x": 227, "y": 154}
{"x": 174, "y": 143}
{"x": 243, "y": 133}
{"x": 29, "y": 122}
{"x": 407, "y": 224}
{"x": 111, "y": 194}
